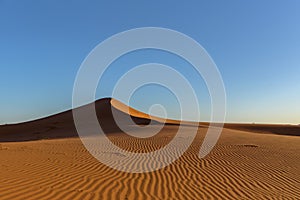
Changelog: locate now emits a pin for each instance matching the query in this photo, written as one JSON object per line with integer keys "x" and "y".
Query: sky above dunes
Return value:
{"x": 255, "y": 44}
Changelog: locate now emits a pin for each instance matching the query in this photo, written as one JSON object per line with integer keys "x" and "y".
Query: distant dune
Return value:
{"x": 248, "y": 162}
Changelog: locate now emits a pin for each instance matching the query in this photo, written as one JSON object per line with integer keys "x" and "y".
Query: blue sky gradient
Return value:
{"x": 255, "y": 44}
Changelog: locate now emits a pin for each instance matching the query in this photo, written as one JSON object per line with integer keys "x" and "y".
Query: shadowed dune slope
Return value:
{"x": 62, "y": 125}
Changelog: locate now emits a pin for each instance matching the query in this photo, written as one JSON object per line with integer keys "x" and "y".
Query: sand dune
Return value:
{"x": 62, "y": 125}
{"x": 267, "y": 128}
{"x": 244, "y": 165}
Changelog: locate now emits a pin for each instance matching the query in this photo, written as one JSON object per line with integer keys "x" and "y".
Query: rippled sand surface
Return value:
{"x": 243, "y": 165}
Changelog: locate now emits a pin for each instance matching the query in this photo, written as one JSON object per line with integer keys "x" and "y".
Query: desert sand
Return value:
{"x": 45, "y": 159}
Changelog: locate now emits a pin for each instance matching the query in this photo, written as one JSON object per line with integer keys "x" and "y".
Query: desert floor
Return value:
{"x": 243, "y": 165}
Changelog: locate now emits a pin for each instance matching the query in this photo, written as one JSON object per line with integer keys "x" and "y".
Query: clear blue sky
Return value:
{"x": 255, "y": 44}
